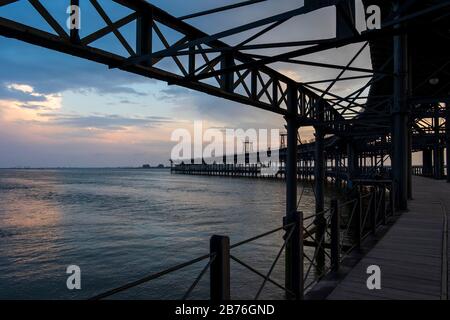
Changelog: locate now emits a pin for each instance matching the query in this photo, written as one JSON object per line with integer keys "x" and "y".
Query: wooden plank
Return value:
{"x": 411, "y": 254}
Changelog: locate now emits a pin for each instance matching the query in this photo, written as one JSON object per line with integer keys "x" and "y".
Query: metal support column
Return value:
{"x": 227, "y": 79}
{"x": 427, "y": 162}
{"x": 294, "y": 247}
{"x": 438, "y": 161}
{"x": 144, "y": 35}
{"x": 400, "y": 130}
{"x": 410, "y": 188}
{"x": 438, "y": 152}
{"x": 319, "y": 177}
{"x": 337, "y": 161}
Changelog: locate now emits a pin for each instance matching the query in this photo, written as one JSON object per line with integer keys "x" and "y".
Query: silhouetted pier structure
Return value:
{"x": 402, "y": 108}
{"x": 224, "y": 170}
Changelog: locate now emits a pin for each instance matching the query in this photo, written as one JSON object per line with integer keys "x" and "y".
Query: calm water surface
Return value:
{"x": 119, "y": 225}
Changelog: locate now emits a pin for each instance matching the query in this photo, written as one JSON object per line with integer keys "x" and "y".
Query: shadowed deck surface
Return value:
{"x": 412, "y": 255}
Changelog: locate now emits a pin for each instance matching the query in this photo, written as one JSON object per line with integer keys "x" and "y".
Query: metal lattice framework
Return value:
{"x": 260, "y": 86}
{"x": 399, "y": 108}
{"x": 203, "y": 62}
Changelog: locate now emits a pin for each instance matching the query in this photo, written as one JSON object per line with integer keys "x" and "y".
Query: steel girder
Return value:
{"x": 261, "y": 86}
{"x": 213, "y": 67}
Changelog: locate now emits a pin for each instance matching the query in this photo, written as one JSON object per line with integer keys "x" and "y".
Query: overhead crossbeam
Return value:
{"x": 220, "y": 9}
{"x": 261, "y": 87}
{"x": 386, "y": 30}
{"x": 226, "y": 71}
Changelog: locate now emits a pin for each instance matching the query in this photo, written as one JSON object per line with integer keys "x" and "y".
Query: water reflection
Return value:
{"x": 31, "y": 235}
{"x": 119, "y": 225}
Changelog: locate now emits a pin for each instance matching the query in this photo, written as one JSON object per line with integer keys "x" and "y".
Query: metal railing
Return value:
{"x": 345, "y": 226}
{"x": 332, "y": 233}
{"x": 427, "y": 171}
{"x": 218, "y": 261}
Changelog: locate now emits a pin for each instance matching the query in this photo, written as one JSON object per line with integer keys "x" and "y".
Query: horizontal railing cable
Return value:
{"x": 260, "y": 236}
{"x": 371, "y": 206}
{"x": 291, "y": 232}
{"x": 181, "y": 266}
{"x": 150, "y": 277}
{"x": 261, "y": 275}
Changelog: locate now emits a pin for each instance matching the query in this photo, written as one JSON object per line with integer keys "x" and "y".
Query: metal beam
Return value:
{"x": 6, "y": 2}
{"x": 438, "y": 151}
{"x": 223, "y": 34}
{"x": 341, "y": 79}
{"x": 387, "y": 29}
{"x": 220, "y": 9}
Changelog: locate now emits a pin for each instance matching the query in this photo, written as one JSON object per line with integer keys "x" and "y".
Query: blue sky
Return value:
{"x": 58, "y": 111}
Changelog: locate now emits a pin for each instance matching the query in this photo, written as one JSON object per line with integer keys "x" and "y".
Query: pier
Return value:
{"x": 364, "y": 139}
{"x": 413, "y": 255}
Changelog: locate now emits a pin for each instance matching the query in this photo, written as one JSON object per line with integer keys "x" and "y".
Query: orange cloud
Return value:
{"x": 15, "y": 110}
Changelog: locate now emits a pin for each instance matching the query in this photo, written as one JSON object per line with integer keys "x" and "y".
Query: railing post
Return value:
{"x": 392, "y": 198}
{"x": 373, "y": 210}
{"x": 335, "y": 236}
{"x": 383, "y": 204}
{"x": 220, "y": 268}
{"x": 357, "y": 223}
{"x": 321, "y": 225}
{"x": 447, "y": 139}
{"x": 294, "y": 255}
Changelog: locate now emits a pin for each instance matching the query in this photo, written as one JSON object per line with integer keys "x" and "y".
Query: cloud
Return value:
{"x": 17, "y": 92}
{"x": 54, "y": 133}
{"x": 104, "y": 122}
{"x": 173, "y": 92}
{"x": 65, "y": 151}
{"x": 217, "y": 111}
{"x": 126, "y": 101}
{"x": 57, "y": 72}
{"x": 23, "y": 103}
{"x": 31, "y": 106}
{"x": 114, "y": 90}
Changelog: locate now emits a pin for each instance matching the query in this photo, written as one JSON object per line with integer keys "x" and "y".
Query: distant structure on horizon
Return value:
{"x": 147, "y": 166}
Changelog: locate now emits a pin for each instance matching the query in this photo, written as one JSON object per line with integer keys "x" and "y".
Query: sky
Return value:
{"x": 57, "y": 110}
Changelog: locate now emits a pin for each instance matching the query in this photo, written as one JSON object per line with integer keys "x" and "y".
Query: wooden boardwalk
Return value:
{"x": 413, "y": 254}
